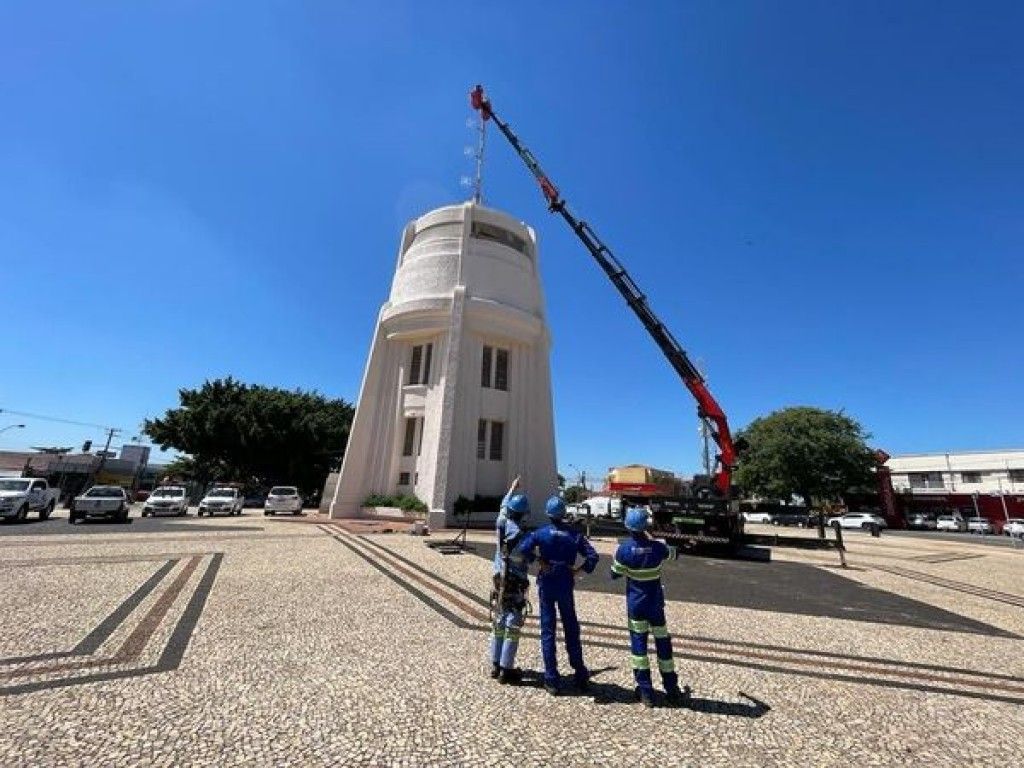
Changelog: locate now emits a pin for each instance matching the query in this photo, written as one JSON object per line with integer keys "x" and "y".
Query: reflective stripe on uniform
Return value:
{"x": 499, "y": 632}
{"x": 639, "y": 625}
{"x": 637, "y": 574}
{"x": 659, "y": 632}
{"x": 640, "y": 662}
{"x": 666, "y": 665}
{"x": 512, "y": 634}
{"x": 644, "y": 574}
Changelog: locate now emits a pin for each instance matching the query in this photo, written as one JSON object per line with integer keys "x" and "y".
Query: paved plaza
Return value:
{"x": 261, "y": 641}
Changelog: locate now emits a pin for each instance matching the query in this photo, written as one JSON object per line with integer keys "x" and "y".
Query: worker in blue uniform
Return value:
{"x": 639, "y": 558}
{"x": 558, "y": 546}
{"x": 510, "y": 586}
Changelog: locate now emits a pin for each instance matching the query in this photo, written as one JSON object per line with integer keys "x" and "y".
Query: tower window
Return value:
{"x": 501, "y": 370}
{"x": 419, "y": 436}
{"x": 485, "y": 369}
{"x": 419, "y": 365}
{"x": 403, "y": 478}
{"x": 410, "y": 437}
{"x": 494, "y": 369}
{"x": 490, "y": 440}
{"x": 481, "y": 439}
{"x": 482, "y": 231}
{"x": 497, "y": 440}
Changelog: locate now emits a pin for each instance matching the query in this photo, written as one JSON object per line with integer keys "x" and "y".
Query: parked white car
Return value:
{"x": 950, "y": 523}
{"x": 109, "y": 501}
{"x": 167, "y": 499}
{"x": 222, "y": 499}
{"x": 1014, "y": 527}
{"x": 857, "y": 520}
{"x": 283, "y": 498}
{"x": 757, "y": 517}
{"x": 21, "y": 495}
{"x": 980, "y": 525}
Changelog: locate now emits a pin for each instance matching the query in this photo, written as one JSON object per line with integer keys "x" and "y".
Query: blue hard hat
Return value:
{"x": 555, "y": 508}
{"x": 636, "y": 519}
{"x": 518, "y": 506}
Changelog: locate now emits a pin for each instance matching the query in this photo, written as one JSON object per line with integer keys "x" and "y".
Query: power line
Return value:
{"x": 56, "y": 419}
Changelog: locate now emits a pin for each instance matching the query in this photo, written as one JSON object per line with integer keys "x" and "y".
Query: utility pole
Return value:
{"x": 111, "y": 431}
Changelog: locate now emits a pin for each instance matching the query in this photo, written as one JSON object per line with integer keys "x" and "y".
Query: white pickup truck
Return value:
{"x": 21, "y": 495}
{"x": 101, "y": 501}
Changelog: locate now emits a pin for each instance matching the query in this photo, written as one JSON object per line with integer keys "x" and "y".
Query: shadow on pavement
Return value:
{"x": 613, "y": 693}
{"x": 754, "y": 709}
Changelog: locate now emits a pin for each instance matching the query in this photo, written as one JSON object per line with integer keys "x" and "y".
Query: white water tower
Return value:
{"x": 456, "y": 396}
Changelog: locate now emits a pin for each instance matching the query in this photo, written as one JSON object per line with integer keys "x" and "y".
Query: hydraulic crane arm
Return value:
{"x": 708, "y": 408}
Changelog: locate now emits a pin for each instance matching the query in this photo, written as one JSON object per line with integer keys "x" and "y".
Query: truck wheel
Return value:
{"x": 22, "y": 513}
{"x": 45, "y": 512}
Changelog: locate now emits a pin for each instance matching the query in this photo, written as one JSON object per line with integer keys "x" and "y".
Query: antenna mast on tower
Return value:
{"x": 477, "y": 153}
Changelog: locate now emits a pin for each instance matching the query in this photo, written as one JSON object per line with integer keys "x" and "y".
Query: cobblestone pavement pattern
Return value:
{"x": 263, "y": 642}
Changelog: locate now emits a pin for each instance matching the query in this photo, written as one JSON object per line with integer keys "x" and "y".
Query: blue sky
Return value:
{"x": 824, "y": 201}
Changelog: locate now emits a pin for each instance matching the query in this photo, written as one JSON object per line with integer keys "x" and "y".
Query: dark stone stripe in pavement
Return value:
{"x": 96, "y": 677}
{"x": 136, "y": 641}
{"x": 133, "y": 645}
{"x": 155, "y": 537}
{"x": 91, "y": 642}
{"x": 174, "y": 651}
{"x": 956, "y": 586}
{"x": 418, "y": 594}
{"x": 47, "y": 562}
{"x": 169, "y": 659}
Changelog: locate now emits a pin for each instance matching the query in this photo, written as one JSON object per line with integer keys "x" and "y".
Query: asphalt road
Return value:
{"x": 58, "y": 523}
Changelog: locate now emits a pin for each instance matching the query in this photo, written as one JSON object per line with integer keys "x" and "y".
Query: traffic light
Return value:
{"x": 86, "y": 446}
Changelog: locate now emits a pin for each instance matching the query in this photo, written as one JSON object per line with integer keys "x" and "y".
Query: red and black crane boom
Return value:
{"x": 708, "y": 408}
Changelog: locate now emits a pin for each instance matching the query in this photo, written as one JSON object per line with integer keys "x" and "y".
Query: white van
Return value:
{"x": 608, "y": 507}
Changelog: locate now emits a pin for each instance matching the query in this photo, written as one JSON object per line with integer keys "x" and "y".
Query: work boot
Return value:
{"x": 510, "y": 676}
{"x": 646, "y": 696}
{"x": 581, "y": 682}
{"x": 551, "y": 687}
{"x": 495, "y": 671}
{"x": 675, "y": 697}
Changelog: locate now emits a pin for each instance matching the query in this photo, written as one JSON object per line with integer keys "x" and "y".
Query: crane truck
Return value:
{"x": 708, "y": 515}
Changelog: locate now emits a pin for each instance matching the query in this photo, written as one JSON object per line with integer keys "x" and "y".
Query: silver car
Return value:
{"x": 283, "y": 498}
{"x": 979, "y": 525}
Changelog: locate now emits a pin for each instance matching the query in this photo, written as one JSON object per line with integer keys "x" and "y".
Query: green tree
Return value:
{"x": 254, "y": 434}
{"x": 574, "y": 494}
{"x": 815, "y": 453}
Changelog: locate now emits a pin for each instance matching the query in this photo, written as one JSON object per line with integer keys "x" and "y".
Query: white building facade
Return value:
{"x": 987, "y": 472}
{"x": 456, "y": 395}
